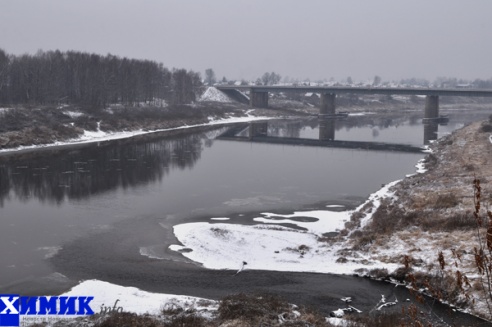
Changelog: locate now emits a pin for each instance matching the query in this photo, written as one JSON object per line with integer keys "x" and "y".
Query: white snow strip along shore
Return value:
{"x": 100, "y": 136}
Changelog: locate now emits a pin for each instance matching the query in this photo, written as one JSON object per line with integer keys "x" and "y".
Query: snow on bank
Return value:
{"x": 132, "y": 299}
{"x": 213, "y": 94}
{"x": 115, "y": 298}
{"x": 101, "y": 136}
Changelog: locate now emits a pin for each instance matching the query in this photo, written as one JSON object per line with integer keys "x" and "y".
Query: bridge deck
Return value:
{"x": 363, "y": 90}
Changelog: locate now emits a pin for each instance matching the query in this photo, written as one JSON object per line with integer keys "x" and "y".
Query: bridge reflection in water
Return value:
{"x": 258, "y": 132}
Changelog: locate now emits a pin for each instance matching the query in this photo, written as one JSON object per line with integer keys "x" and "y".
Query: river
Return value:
{"x": 107, "y": 210}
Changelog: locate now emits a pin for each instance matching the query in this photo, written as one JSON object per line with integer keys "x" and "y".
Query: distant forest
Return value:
{"x": 91, "y": 80}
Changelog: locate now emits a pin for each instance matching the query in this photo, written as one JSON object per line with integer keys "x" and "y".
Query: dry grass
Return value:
{"x": 266, "y": 310}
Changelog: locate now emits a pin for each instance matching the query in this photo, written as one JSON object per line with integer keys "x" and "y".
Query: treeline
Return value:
{"x": 91, "y": 80}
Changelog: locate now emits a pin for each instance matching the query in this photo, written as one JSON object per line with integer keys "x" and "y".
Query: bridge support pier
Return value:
{"x": 258, "y": 99}
{"x": 431, "y": 107}
{"x": 327, "y": 104}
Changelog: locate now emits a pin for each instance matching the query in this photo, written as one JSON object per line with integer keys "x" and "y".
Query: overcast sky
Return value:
{"x": 313, "y": 39}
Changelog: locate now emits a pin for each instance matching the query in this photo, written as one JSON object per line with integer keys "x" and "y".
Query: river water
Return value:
{"x": 53, "y": 201}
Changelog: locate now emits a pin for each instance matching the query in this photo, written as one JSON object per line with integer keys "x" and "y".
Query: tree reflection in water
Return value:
{"x": 53, "y": 176}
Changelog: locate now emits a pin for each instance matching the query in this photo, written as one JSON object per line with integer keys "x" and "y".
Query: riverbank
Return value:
{"x": 427, "y": 213}
{"x": 26, "y": 128}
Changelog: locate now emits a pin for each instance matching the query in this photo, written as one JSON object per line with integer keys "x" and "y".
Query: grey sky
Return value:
{"x": 244, "y": 38}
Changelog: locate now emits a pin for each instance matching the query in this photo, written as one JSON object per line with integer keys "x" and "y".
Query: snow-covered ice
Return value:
{"x": 327, "y": 221}
{"x": 270, "y": 246}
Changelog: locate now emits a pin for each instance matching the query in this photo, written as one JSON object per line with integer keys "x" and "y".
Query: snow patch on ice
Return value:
{"x": 51, "y": 251}
{"x": 270, "y": 246}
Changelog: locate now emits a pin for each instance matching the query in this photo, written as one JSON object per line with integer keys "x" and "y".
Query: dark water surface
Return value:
{"x": 106, "y": 205}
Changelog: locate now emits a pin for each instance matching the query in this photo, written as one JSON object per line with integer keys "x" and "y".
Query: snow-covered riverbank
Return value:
{"x": 101, "y": 136}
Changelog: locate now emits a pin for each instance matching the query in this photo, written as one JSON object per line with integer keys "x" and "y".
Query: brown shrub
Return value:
{"x": 389, "y": 319}
{"x": 486, "y": 128}
{"x": 379, "y": 273}
{"x": 445, "y": 201}
{"x": 364, "y": 240}
{"x": 251, "y": 308}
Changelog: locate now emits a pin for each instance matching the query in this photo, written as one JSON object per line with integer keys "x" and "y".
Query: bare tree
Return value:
{"x": 270, "y": 78}
{"x": 377, "y": 81}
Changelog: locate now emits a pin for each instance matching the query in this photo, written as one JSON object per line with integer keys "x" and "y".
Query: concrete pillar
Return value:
{"x": 327, "y": 129}
{"x": 258, "y": 99}
{"x": 258, "y": 129}
{"x": 431, "y": 106}
{"x": 327, "y": 106}
{"x": 430, "y": 132}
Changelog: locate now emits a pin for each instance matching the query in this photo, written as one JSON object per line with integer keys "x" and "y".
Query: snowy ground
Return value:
{"x": 110, "y": 298}
{"x": 213, "y": 94}
{"x": 134, "y": 300}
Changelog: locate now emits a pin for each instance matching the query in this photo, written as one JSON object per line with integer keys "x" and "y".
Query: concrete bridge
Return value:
{"x": 258, "y": 95}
